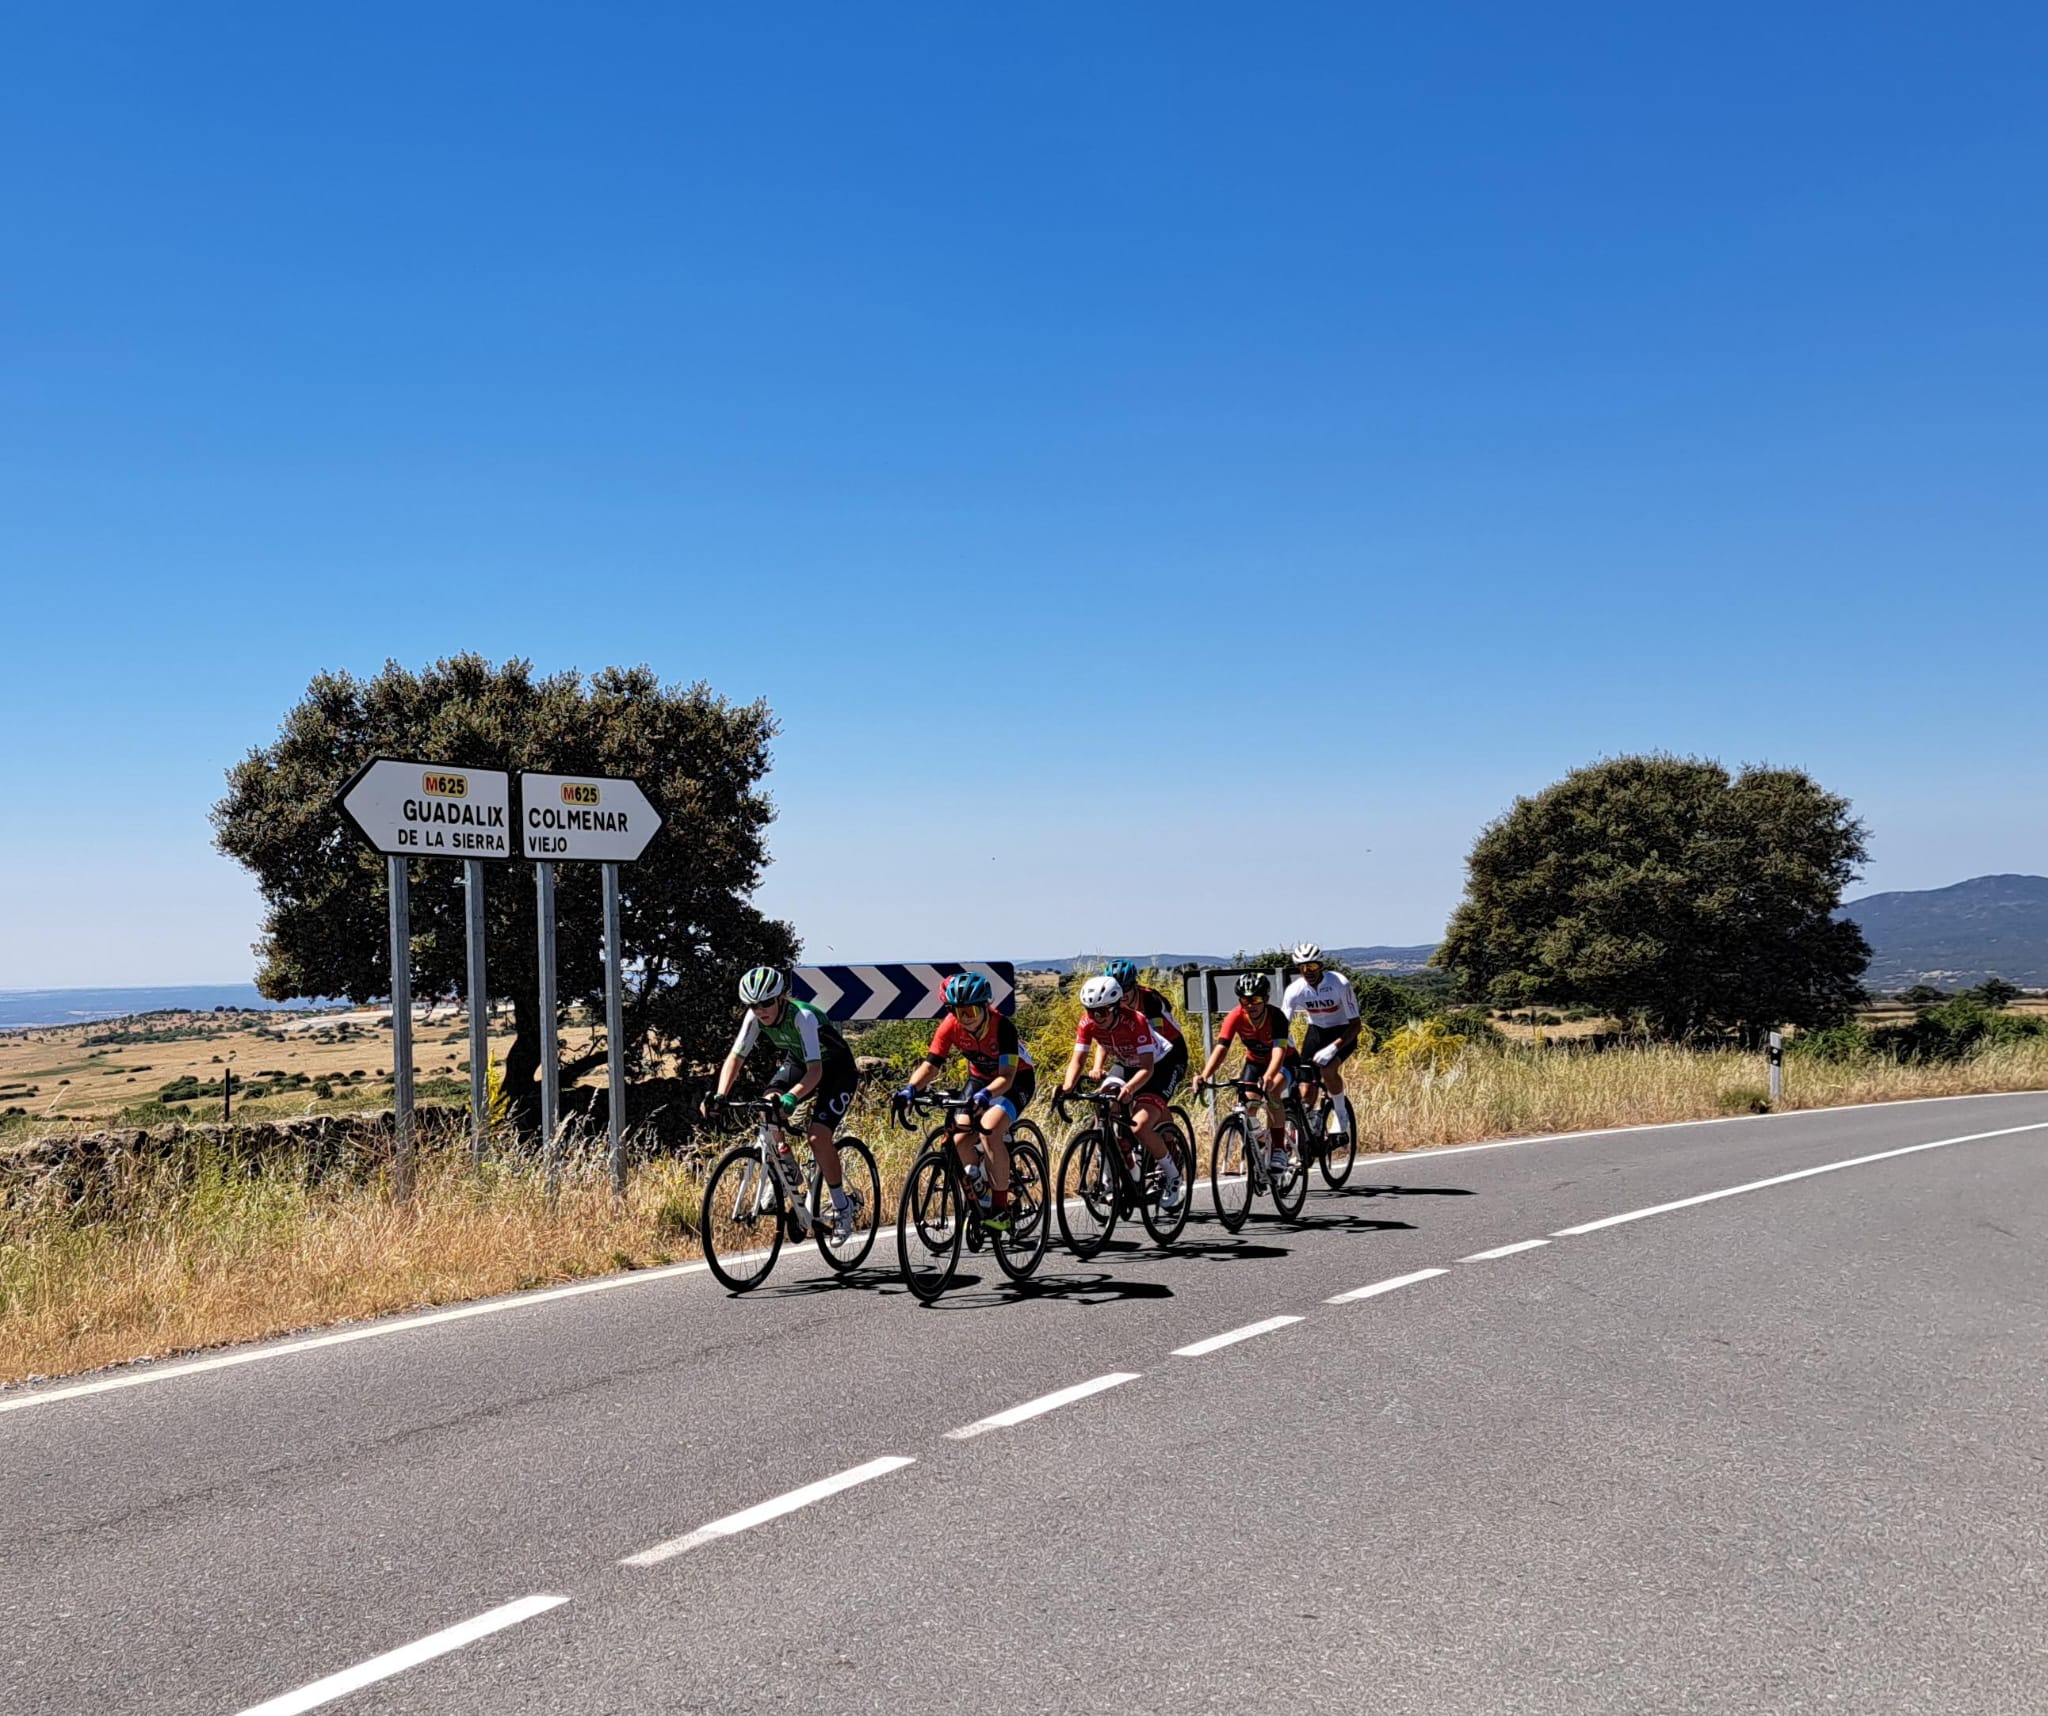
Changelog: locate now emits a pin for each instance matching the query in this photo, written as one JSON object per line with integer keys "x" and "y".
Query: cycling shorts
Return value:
{"x": 1320, "y": 1037}
{"x": 1255, "y": 1065}
{"x": 1017, "y": 1098}
{"x": 836, "y": 1085}
{"x": 1169, "y": 1070}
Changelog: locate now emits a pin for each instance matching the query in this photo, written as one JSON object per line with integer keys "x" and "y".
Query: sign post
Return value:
{"x": 585, "y": 819}
{"x": 479, "y": 1008}
{"x": 550, "y": 1049}
{"x": 427, "y": 810}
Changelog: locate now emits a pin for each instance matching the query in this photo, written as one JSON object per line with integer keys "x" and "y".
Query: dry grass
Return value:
{"x": 213, "y": 1249}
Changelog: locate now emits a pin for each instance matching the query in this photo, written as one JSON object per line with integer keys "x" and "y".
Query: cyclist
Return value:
{"x": 1001, "y": 1079}
{"x": 1121, "y": 1035}
{"x": 816, "y": 1065}
{"x": 1269, "y": 1054}
{"x": 1166, "y": 1076}
{"x": 1324, "y": 997}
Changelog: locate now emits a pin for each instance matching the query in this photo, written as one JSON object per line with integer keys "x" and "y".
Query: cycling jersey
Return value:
{"x": 1128, "y": 1038}
{"x": 803, "y": 1033}
{"x": 998, "y": 1048}
{"x": 1258, "y": 1039}
{"x": 1159, "y": 1010}
{"x": 1328, "y": 1004}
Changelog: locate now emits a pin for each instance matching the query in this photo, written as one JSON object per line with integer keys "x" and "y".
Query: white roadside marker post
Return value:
{"x": 1776, "y": 1051}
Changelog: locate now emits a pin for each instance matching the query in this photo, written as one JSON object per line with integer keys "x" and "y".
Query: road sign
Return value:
{"x": 855, "y": 992}
{"x": 431, "y": 810}
{"x": 1215, "y": 990}
{"x": 584, "y": 819}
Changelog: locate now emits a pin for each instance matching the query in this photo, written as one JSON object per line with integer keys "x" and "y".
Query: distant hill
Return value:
{"x": 1352, "y": 958}
{"x": 1989, "y": 926}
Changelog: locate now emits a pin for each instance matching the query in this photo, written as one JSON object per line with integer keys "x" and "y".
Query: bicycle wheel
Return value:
{"x": 1339, "y": 1150}
{"x": 1040, "y": 1217}
{"x": 1186, "y": 1122}
{"x": 929, "y": 1225}
{"x": 1018, "y": 1251}
{"x": 740, "y": 1221}
{"x": 1087, "y": 1193}
{"x": 1163, "y": 1224}
{"x": 1289, "y": 1185}
{"x": 1230, "y": 1173}
{"x": 863, "y": 1187}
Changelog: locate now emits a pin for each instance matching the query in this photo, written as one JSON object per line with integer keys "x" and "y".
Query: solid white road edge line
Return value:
{"x": 1198, "y": 1348}
{"x": 406, "y": 1656}
{"x": 1787, "y": 1179}
{"x": 747, "y": 1518}
{"x": 369, "y": 1331}
{"x": 1379, "y": 1287}
{"x": 1504, "y": 1251}
{"x": 1044, "y": 1403}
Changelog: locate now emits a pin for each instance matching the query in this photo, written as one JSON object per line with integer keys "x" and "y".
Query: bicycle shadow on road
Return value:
{"x": 1351, "y": 1224}
{"x": 1393, "y": 1191}
{"x": 1226, "y": 1250}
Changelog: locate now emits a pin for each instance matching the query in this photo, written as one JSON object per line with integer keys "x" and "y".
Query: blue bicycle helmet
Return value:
{"x": 1125, "y": 971}
{"x": 968, "y": 989}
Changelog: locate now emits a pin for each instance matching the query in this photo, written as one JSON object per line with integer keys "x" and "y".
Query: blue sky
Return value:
{"x": 1077, "y": 421}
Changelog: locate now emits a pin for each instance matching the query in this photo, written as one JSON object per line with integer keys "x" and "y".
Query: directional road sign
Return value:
{"x": 431, "y": 810}
{"x": 1215, "y": 990}
{"x": 567, "y": 819}
{"x": 850, "y": 992}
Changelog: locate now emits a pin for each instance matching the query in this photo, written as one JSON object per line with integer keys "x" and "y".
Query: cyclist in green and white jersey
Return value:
{"x": 817, "y": 1066}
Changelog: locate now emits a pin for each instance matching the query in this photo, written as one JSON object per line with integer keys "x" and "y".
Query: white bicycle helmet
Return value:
{"x": 1101, "y": 991}
{"x": 762, "y": 985}
{"x": 1307, "y": 953}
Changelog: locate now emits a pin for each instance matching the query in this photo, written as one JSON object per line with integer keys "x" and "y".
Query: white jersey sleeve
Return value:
{"x": 1293, "y": 997}
{"x": 1330, "y": 1004}
{"x": 750, "y": 1034}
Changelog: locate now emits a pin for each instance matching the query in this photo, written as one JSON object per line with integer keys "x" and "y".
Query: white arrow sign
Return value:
{"x": 567, "y": 818}
{"x": 431, "y": 810}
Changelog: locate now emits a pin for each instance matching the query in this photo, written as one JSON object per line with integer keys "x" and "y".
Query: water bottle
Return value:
{"x": 977, "y": 1183}
{"x": 785, "y": 1162}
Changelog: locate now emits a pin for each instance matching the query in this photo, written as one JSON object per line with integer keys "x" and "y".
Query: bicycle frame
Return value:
{"x": 769, "y": 1133}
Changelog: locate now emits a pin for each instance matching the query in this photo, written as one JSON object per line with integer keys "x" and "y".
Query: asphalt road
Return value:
{"x": 1782, "y": 1450}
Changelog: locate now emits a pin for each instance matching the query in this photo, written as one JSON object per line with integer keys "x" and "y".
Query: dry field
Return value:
{"x": 211, "y": 1249}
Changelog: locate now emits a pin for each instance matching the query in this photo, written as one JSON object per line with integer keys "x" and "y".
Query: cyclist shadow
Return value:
{"x": 1227, "y": 1250}
{"x": 1393, "y": 1191}
{"x": 1351, "y": 1224}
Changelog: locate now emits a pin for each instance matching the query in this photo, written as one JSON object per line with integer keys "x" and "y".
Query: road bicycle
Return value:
{"x": 757, "y": 1195}
{"x": 942, "y": 1208}
{"x": 1106, "y": 1175}
{"x": 1240, "y": 1166}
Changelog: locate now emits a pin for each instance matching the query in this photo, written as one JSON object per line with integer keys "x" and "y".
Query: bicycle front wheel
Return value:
{"x": 740, "y": 1222}
{"x": 1162, "y": 1223}
{"x": 1018, "y": 1251}
{"x": 929, "y": 1226}
{"x": 863, "y": 1187}
{"x": 1087, "y": 1193}
{"x": 1289, "y": 1184}
{"x": 1230, "y": 1173}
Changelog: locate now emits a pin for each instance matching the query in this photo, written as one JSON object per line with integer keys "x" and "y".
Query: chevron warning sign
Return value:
{"x": 850, "y": 992}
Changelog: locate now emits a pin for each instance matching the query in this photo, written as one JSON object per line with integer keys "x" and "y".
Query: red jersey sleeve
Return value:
{"x": 946, "y": 1038}
{"x": 1235, "y": 1024}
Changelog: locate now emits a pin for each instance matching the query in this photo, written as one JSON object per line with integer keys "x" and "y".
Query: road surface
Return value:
{"x": 1498, "y": 1431}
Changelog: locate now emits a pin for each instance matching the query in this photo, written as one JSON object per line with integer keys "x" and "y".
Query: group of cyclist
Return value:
{"x": 1127, "y": 1042}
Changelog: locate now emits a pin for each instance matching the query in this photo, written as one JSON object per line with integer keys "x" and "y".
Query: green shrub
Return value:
{"x": 1954, "y": 1030}
{"x": 1745, "y": 1099}
{"x": 1838, "y": 1043}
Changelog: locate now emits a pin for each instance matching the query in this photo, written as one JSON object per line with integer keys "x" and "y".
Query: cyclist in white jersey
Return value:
{"x": 1325, "y": 999}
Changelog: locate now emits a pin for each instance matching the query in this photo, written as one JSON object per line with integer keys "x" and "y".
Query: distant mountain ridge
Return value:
{"x": 1394, "y": 959}
{"x": 1989, "y": 926}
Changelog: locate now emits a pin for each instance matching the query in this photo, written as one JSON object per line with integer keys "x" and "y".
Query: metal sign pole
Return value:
{"x": 550, "y": 1054}
{"x": 401, "y": 1025}
{"x": 1208, "y": 983}
{"x": 614, "y": 1028}
{"x": 479, "y": 1009}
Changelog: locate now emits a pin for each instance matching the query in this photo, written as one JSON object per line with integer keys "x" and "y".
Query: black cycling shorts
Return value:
{"x": 1318, "y": 1038}
{"x": 1169, "y": 1070}
{"x": 836, "y": 1085}
{"x": 1018, "y": 1097}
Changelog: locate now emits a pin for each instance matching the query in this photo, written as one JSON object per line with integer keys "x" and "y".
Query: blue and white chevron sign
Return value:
{"x": 850, "y": 992}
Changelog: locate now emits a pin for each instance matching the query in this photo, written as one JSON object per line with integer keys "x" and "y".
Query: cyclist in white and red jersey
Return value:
{"x": 1166, "y": 1076}
{"x": 1121, "y": 1036}
{"x": 1269, "y": 1057}
{"x": 1325, "y": 999}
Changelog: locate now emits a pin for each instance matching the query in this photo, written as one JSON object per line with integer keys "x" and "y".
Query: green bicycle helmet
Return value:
{"x": 762, "y": 985}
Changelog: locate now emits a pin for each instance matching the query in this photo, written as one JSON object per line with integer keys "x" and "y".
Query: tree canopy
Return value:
{"x": 687, "y": 928}
{"x": 1665, "y": 891}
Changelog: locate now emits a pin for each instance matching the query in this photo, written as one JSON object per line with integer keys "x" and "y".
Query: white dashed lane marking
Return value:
{"x": 1379, "y": 1287}
{"x": 1044, "y": 1403}
{"x": 1504, "y": 1251}
{"x": 762, "y": 1512}
{"x": 1198, "y": 1348}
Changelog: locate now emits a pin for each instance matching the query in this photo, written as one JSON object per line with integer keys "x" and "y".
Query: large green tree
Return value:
{"x": 1664, "y": 890}
{"x": 687, "y": 927}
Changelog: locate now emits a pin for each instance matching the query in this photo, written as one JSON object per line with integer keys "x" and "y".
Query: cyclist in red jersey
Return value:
{"x": 1166, "y": 1076}
{"x": 1119, "y": 1034}
{"x": 1269, "y": 1053}
{"x": 1001, "y": 1079}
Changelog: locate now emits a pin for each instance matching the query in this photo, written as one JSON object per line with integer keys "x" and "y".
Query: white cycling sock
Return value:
{"x": 838, "y": 1197}
{"x": 1342, "y": 1104}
